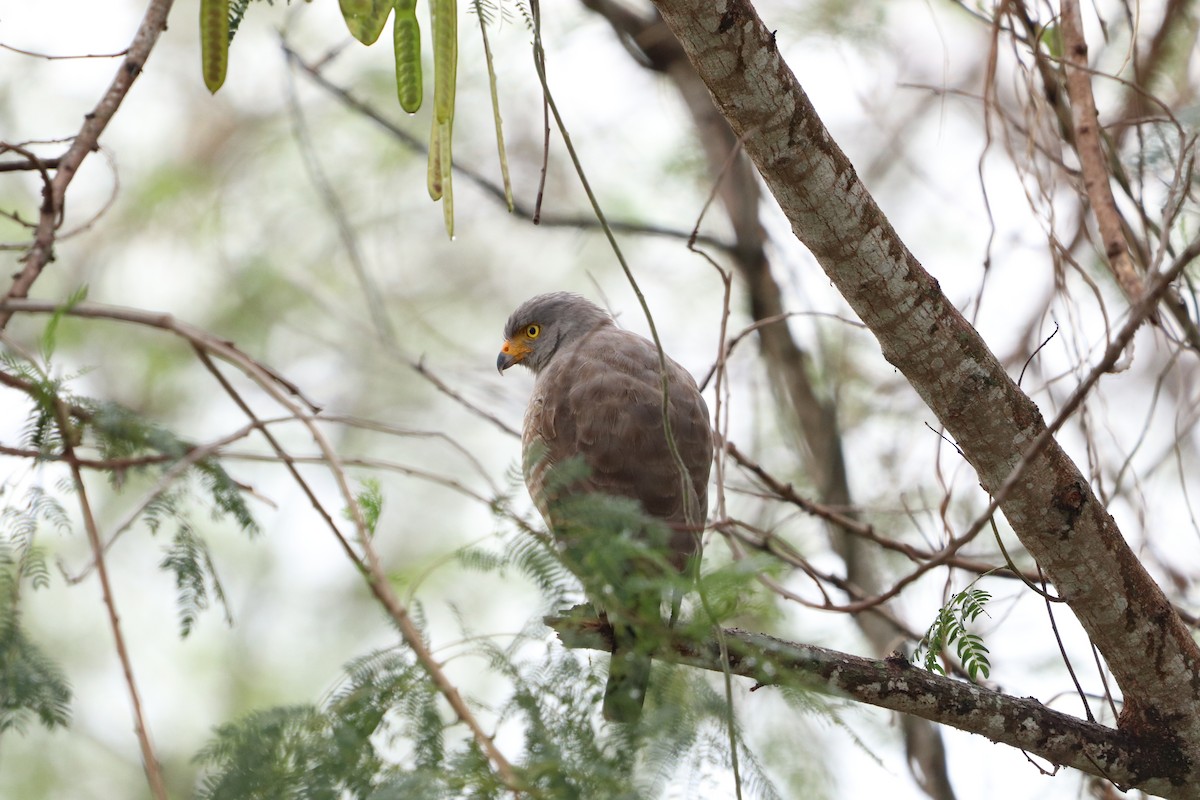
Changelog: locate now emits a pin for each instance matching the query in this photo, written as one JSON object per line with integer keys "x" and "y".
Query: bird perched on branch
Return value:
{"x": 621, "y": 483}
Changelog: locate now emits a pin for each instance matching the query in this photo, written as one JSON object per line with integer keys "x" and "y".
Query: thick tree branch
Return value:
{"x": 1052, "y": 508}
{"x": 895, "y": 684}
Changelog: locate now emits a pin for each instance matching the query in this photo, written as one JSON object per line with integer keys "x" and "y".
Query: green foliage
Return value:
{"x": 950, "y": 628}
{"x": 237, "y": 11}
{"x": 330, "y": 752}
{"x": 1050, "y": 37}
{"x": 189, "y": 559}
{"x": 31, "y": 684}
{"x": 41, "y": 430}
{"x": 304, "y": 751}
{"x": 370, "y": 503}
{"x": 119, "y": 433}
{"x": 684, "y": 733}
{"x": 131, "y": 445}
{"x": 49, "y": 339}
{"x": 225, "y": 494}
{"x": 385, "y": 734}
{"x": 270, "y": 754}
{"x": 733, "y": 589}
{"x": 123, "y": 434}
{"x": 532, "y": 557}
{"x": 381, "y": 735}
{"x": 19, "y": 552}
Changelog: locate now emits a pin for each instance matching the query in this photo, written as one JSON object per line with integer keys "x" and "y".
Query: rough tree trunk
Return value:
{"x": 1051, "y": 508}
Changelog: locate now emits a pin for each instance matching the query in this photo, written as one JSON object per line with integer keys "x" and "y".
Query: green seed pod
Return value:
{"x": 365, "y": 18}
{"x": 445, "y": 161}
{"x": 406, "y": 35}
{"x": 214, "y": 42}
{"x": 434, "y": 175}
{"x": 445, "y": 57}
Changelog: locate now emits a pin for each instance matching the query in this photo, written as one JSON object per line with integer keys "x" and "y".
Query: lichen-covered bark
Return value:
{"x": 895, "y": 684}
{"x": 1017, "y": 721}
{"x": 1051, "y": 508}
{"x": 788, "y": 365}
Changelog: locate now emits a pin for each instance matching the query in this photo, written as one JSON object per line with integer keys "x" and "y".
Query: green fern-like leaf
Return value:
{"x": 32, "y": 685}
{"x": 949, "y": 628}
{"x": 370, "y": 503}
{"x": 189, "y": 559}
{"x": 34, "y": 569}
{"x": 122, "y": 433}
{"x": 237, "y": 11}
{"x": 162, "y": 507}
{"x": 19, "y": 525}
{"x": 266, "y": 755}
{"x": 225, "y": 495}
{"x": 537, "y": 561}
{"x": 973, "y": 602}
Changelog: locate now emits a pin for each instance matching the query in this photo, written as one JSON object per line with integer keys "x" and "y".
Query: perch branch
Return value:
{"x": 893, "y": 683}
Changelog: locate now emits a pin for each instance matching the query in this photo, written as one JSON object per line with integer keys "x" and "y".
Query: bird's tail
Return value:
{"x": 628, "y": 677}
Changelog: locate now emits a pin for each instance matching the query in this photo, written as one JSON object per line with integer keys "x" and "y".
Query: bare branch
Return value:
{"x": 1052, "y": 508}
{"x": 1091, "y": 153}
{"x": 895, "y": 684}
{"x": 154, "y": 776}
{"x": 488, "y": 187}
{"x": 285, "y": 394}
{"x": 53, "y": 201}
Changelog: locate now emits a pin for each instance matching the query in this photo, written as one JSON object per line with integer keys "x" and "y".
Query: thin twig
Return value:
{"x": 42, "y": 252}
{"x": 1138, "y": 313}
{"x": 424, "y": 371}
{"x": 488, "y": 187}
{"x": 719, "y": 406}
{"x": 285, "y": 394}
{"x": 178, "y": 467}
{"x": 28, "y": 166}
{"x": 855, "y": 527}
{"x": 48, "y": 57}
{"x": 337, "y": 210}
{"x": 154, "y": 776}
{"x": 687, "y": 491}
{"x": 1087, "y": 709}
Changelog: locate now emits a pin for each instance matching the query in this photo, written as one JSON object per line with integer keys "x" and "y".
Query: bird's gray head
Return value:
{"x": 543, "y": 324}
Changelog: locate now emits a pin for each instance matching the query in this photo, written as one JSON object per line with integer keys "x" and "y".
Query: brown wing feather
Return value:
{"x": 602, "y": 399}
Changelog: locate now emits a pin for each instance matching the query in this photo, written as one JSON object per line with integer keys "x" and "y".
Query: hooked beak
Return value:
{"x": 511, "y": 353}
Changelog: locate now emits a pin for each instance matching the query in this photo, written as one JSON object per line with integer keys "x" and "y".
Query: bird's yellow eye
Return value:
{"x": 533, "y": 331}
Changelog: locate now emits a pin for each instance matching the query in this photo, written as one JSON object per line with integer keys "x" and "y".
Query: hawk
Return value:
{"x": 594, "y": 431}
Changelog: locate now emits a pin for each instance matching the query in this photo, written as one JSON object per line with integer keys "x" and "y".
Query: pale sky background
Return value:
{"x": 213, "y": 197}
